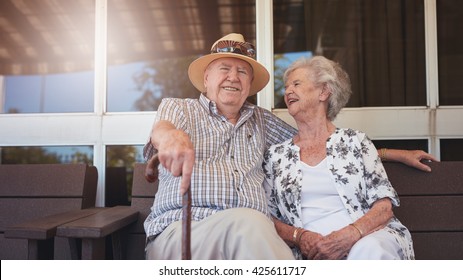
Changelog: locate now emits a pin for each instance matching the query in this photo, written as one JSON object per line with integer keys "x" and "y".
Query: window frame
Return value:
{"x": 101, "y": 128}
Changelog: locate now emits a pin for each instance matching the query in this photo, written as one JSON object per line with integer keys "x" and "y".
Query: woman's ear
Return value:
{"x": 324, "y": 94}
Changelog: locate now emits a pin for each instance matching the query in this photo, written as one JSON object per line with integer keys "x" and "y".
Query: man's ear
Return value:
{"x": 205, "y": 79}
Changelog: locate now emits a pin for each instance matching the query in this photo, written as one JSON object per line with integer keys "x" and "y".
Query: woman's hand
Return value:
{"x": 308, "y": 241}
{"x": 335, "y": 245}
{"x": 411, "y": 158}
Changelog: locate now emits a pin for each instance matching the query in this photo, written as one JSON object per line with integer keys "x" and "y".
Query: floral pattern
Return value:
{"x": 358, "y": 175}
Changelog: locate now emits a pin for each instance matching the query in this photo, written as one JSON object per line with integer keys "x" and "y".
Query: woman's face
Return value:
{"x": 301, "y": 95}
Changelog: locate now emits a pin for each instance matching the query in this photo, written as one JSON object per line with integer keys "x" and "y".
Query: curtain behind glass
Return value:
{"x": 450, "y": 48}
{"x": 379, "y": 43}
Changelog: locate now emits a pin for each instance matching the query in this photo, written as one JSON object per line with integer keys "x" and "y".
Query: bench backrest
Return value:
{"x": 431, "y": 207}
{"x": 143, "y": 194}
{"x": 30, "y": 191}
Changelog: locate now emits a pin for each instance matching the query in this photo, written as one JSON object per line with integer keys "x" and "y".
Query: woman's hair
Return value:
{"x": 329, "y": 74}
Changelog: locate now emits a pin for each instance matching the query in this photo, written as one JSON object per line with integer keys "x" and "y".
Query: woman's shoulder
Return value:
{"x": 349, "y": 133}
{"x": 280, "y": 149}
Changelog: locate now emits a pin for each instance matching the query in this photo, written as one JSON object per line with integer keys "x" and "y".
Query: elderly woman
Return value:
{"x": 327, "y": 188}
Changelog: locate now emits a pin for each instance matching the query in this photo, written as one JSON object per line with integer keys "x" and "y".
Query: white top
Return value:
{"x": 322, "y": 208}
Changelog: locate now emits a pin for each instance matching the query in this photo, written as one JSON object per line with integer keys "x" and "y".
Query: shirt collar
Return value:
{"x": 211, "y": 106}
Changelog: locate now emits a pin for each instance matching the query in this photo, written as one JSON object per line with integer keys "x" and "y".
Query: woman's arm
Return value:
{"x": 376, "y": 218}
{"x": 297, "y": 237}
{"x": 411, "y": 158}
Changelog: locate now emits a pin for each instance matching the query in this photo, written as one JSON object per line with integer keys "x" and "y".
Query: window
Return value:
{"x": 449, "y": 26}
{"x": 46, "y": 56}
{"x": 120, "y": 160}
{"x": 379, "y": 43}
{"x": 451, "y": 149}
{"x": 81, "y": 80}
{"x": 152, "y": 43}
{"x": 46, "y": 154}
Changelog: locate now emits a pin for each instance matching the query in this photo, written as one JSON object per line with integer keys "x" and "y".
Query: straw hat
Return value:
{"x": 231, "y": 45}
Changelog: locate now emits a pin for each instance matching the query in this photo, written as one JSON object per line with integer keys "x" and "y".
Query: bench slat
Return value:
{"x": 45, "y": 228}
{"x": 438, "y": 245}
{"x": 33, "y": 208}
{"x": 446, "y": 178}
{"x": 431, "y": 213}
{"x": 42, "y": 179}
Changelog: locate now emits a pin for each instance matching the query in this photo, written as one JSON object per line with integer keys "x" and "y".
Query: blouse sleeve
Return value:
{"x": 269, "y": 186}
{"x": 377, "y": 183}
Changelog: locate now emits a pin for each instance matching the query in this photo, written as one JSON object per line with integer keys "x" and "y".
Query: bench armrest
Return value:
{"x": 93, "y": 229}
{"x": 99, "y": 225}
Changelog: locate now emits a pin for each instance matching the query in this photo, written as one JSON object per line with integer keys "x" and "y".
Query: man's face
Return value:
{"x": 228, "y": 81}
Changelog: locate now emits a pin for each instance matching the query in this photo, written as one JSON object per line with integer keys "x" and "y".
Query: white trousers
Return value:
{"x": 378, "y": 245}
{"x": 233, "y": 234}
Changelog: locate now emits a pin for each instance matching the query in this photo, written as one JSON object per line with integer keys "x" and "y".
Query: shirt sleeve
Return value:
{"x": 172, "y": 110}
{"x": 277, "y": 131}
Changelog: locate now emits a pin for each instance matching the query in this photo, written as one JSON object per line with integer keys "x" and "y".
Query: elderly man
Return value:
{"x": 216, "y": 143}
{"x": 215, "y": 146}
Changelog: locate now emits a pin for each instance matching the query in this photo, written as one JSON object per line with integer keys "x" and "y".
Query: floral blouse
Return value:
{"x": 357, "y": 172}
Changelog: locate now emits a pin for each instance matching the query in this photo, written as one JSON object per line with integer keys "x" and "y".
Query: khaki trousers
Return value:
{"x": 232, "y": 234}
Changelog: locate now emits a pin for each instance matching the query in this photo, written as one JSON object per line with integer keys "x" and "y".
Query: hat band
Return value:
{"x": 229, "y": 46}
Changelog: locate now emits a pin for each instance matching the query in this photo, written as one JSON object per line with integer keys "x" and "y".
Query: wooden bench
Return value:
{"x": 122, "y": 224}
{"x": 143, "y": 194}
{"x": 431, "y": 207}
{"x": 35, "y": 199}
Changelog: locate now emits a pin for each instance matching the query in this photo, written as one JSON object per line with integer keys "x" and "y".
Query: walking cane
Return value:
{"x": 151, "y": 175}
{"x": 186, "y": 225}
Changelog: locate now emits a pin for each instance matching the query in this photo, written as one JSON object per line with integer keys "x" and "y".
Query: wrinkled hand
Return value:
{"x": 308, "y": 241}
{"x": 413, "y": 158}
{"x": 334, "y": 246}
{"x": 177, "y": 155}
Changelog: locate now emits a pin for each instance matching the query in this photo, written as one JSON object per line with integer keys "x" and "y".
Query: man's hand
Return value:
{"x": 175, "y": 151}
{"x": 151, "y": 170}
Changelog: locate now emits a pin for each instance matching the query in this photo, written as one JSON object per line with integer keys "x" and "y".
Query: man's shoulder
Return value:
{"x": 174, "y": 101}
{"x": 266, "y": 114}
{"x": 179, "y": 100}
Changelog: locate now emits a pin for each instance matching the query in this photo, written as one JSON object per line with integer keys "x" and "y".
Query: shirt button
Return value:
{"x": 232, "y": 157}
